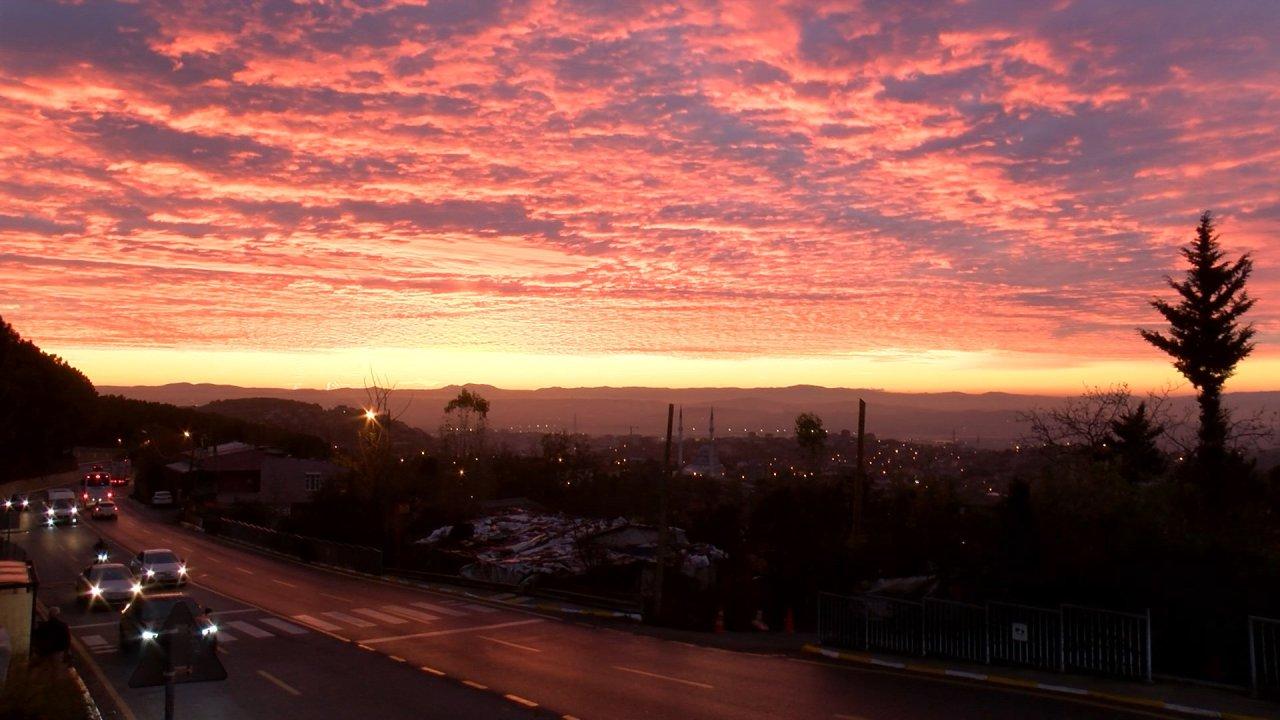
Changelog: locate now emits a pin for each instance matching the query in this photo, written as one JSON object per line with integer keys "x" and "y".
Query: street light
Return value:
{"x": 370, "y": 415}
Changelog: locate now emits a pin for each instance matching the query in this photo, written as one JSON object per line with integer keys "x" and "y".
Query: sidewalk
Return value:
{"x": 1183, "y": 698}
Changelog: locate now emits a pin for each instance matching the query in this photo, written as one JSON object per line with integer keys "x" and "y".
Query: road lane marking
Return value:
{"x": 250, "y": 630}
{"x": 281, "y": 582}
{"x": 431, "y": 670}
{"x": 337, "y": 597}
{"x": 474, "y": 684}
{"x": 521, "y": 701}
{"x": 509, "y": 644}
{"x": 348, "y": 619}
{"x": 94, "y": 625}
{"x": 103, "y": 682}
{"x": 411, "y": 614}
{"x": 454, "y": 631}
{"x": 439, "y": 609}
{"x": 664, "y": 677}
{"x": 397, "y": 658}
{"x": 316, "y": 622}
{"x": 225, "y": 637}
{"x": 240, "y": 569}
{"x": 93, "y": 641}
{"x": 380, "y": 616}
{"x": 279, "y": 683}
{"x": 282, "y": 625}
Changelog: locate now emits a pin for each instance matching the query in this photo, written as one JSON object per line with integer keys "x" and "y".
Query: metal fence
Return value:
{"x": 1106, "y": 642}
{"x": 956, "y": 630}
{"x": 1264, "y": 655}
{"x": 1068, "y": 638}
{"x": 356, "y": 557}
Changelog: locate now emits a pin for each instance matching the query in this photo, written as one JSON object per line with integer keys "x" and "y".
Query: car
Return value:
{"x": 162, "y": 497}
{"x": 105, "y": 510}
{"x": 142, "y": 620}
{"x": 106, "y": 584}
{"x": 159, "y": 567}
{"x": 62, "y": 511}
{"x": 61, "y": 494}
{"x": 18, "y": 501}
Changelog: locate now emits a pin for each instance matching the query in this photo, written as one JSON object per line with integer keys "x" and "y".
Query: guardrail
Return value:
{"x": 309, "y": 549}
{"x": 1067, "y": 638}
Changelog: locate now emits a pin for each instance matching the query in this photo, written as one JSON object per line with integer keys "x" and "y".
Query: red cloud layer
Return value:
{"x": 608, "y": 177}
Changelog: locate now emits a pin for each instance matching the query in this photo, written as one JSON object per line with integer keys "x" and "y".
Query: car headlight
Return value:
{"x": 137, "y": 588}
{"x": 75, "y": 511}
{"x": 150, "y": 634}
{"x": 95, "y": 591}
{"x": 150, "y": 572}
{"x": 8, "y": 504}
{"x": 182, "y": 569}
{"x": 210, "y": 630}
{"x": 49, "y": 512}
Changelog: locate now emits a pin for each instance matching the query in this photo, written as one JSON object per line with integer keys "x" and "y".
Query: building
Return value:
{"x": 241, "y": 473}
{"x": 705, "y": 463}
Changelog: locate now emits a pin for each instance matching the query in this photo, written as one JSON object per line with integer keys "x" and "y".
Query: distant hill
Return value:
{"x": 337, "y": 425}
{"x": 990, "y": 418}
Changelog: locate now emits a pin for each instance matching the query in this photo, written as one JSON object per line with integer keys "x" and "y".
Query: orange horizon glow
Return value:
{"x": 975, "y": 197}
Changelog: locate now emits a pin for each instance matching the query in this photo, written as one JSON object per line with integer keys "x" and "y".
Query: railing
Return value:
{"x": 956, "y": 630}
{"x": 1069, "y": 638}
{"x": 356, "y": 557}
{"x": 1264, "y": 655}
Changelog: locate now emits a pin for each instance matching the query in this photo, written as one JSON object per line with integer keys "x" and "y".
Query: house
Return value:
{"x": 242, "y": 473}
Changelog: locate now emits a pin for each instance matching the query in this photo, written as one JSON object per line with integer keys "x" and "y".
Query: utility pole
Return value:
{"x": 659, "y": 575}
{"x": 859, "y": 472}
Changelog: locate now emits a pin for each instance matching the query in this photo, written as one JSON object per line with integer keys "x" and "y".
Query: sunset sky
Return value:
{"x": 903, "y": 195}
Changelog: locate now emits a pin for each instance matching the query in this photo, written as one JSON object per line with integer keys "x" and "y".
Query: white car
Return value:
{"x": 106, "y": 584}
{"x": 105, "y": 510}
{"x": 162, "y": 497}
{"x": 159, "y": 567}
{"x": 61, "y": 494}
{"x": 61, "y": 511}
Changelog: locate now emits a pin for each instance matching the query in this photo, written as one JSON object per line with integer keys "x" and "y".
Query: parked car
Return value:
{"x": 62, "y": 511}
{"x": 159, "y": 567}
{"x": 106, "y": 584}
{"x": 142, "y": 620}
{"x": 105, "y": 510}
{"x": 162, "y": 497}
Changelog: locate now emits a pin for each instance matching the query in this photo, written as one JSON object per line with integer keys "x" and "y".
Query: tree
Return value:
{"x": 810, "y": 435}
{"x": 1082, "y": 423}
{"x": 1205, "y": 337}
{"x": 1133, "y": 438}
{"x": 465, "y": 421}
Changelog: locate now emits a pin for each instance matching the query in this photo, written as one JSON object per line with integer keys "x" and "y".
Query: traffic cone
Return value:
{"x": 789, "y": 623}
{"x": 719, "y": 620}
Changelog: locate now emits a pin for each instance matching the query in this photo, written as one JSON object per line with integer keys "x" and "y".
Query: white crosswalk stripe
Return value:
{"x": 316, "y": 622}
{"x": 248, "y": 629}
{"x": 282, "y": 625}
{"x": 439, "y": 609}
{"x": 380, "y": 616}
{"x": 348, "y": 619}
{"x": 411, "y": 614}
{"x": 224, "y": 636}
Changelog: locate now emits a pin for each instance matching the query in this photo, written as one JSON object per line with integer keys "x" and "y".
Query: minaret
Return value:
{"x": 713, "y": 425}
{"x": 680, "y": 442}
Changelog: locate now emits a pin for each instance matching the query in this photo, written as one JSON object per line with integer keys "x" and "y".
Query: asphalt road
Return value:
{"x": 307, "y": 642}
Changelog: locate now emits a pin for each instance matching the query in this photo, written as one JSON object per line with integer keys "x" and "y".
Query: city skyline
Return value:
{"x": 576, "y": 194}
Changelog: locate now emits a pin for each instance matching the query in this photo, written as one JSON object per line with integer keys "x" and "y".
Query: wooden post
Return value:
{"x": 659, "y": 575}
{"x": 859, "y": 473}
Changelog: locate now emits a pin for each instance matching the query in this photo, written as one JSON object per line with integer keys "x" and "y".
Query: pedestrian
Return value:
{"x": 53, "y": 638}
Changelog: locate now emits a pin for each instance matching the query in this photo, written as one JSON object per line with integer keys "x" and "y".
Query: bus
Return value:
{"x": 96, "y": 487}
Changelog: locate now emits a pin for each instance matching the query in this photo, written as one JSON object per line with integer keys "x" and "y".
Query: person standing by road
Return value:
{"x": 52, "y": 639}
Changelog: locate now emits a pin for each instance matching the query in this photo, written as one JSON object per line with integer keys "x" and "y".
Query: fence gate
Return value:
{"x": 1264, "y": 655}
{"x": 1106, "y": 642}
{"x": 1024, "y": 635}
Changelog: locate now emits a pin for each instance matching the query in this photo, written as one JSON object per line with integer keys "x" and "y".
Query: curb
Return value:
{"x": 92, "y": 711}
{"x": 928, "y": 669}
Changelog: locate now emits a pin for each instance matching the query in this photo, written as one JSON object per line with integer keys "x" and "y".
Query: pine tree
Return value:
{"x": 1205, "y": 338}
{"x": 1133, "y": 439}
